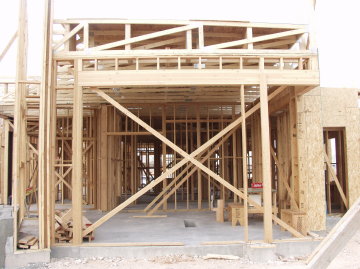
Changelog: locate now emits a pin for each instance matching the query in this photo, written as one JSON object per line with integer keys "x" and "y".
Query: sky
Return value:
{"x": 335, "y": 25}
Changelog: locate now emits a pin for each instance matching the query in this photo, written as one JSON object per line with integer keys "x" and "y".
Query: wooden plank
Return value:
{"x": 160, "y": 43}
{"x": 5, "y": 163}
{"x": 195, "y": 77}
{"x": 244, "y": 163}
{"x": 333, "y": 174}
{"x": 20, "y": 108}
{"x": 198, "y": 141}
{"x": 249, "y": 35}
{"x": 77, "y": 134}
{"x": 256, "y": 39}
{"x": 69, "y": 35}
{"x": 145, "y": 37}
{"x": 185, "y": 178}
{"x": 336, "y": 240}
{"x": 127, "y": 35}
{"x": 282, "y": 177}
{"x": 266, "y": 164}
{"x": 189, "y": 39}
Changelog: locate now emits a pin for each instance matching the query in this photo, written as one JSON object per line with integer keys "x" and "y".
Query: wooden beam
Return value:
{"x": 5, "y": 163}
{"x": 77, "y": 160}
{"x": 265, "y": 156}
{"x": 333, "y": 174}
{"x": 222, "y": 141}
{"x": 145, "y": 37}
{"x": 244, "y": 163}
{"x": 68, "y": 36}
{"x": 283, "y": 179}
{"x": 20, "y": 108}
{"x": 255, "y": 39}
{"x": 127, "y": 35}
{"x": 336, "y": 240}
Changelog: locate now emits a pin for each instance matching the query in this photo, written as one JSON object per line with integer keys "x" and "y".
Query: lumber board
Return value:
{"x": 336, "y": 240}
{"x": 255, "y": 39}
{"x": 333, "y": 174}
{"x": 266, "y": 164}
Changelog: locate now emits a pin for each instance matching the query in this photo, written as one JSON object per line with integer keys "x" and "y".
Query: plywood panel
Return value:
{"x": 352, "y": 132}
{"x": 311, "y": 161}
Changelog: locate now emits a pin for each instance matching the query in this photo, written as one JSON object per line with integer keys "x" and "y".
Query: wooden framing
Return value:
{"x": 179, "y": 111}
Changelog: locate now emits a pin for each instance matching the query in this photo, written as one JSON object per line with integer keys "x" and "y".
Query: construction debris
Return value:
{"x": 64, "y": 227}
{"x": 28, "y": 242}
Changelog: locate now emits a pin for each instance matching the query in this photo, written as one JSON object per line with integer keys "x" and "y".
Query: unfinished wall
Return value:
{"x": 311, "y": 161}
{"x": 340, "y": 109}
{"x": 318, "y": 109}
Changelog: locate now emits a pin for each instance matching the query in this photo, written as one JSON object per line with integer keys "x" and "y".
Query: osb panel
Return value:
{"x": 352, "y": 133}
{"x": 334, "y": 102}
{"x": 311, "y": 161}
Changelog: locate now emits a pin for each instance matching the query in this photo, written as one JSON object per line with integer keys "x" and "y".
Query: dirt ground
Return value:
{"x": 348, "y": 258}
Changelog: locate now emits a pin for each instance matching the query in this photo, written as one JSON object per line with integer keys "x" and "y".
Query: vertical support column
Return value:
{"x": 201, "y": 37}
{"x": 77, "y": 159}
{"x": 86, "y": 36}
{"x": 294, "y": 182}
{"x": 45, "y": 188}
{"x": 244, "y": 162}
{"x": 5, "y": 164}
{"x": 266, "y": 164}
{"x": 189, "y": 39}
{"x": 20, "y": 122}
{"x": 127, "y": 35}
{"x": 234, "y": 160}
{"x": 198, "y": 140}
{"x": 164, "y": 152}
{"x": 249, "y": 35}
{"x": 103, "y": 159}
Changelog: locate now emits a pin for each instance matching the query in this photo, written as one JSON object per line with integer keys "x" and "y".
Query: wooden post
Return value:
{"x": 198, "y": 140}
{"x": 189, "y": 39}
{"x": 5, "y": 164}
{"x": 127, "y": 35}
{"x": 77, "y": 159}
{"x": 164, "y": 150}
{"x": 266, "y": 164}
{"x": 244, "y": 163}
{"x": 44, "y": 165}
{"x": 249, "y": 35}
{"x": 19, "y": 161}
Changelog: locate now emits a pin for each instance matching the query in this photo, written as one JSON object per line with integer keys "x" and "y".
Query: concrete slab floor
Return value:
{"x": 123, "y": 227}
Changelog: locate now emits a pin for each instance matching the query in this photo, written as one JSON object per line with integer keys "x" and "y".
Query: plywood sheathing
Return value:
{"x": 310, "y": 145}
{"x": 340, "y": 109}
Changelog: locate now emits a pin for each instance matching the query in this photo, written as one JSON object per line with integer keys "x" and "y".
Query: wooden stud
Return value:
{"x": 265, "y": 147}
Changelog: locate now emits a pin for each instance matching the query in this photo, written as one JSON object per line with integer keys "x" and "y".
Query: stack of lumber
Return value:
{"x": 64, "y": 227}
{"x": 28, "y": 242}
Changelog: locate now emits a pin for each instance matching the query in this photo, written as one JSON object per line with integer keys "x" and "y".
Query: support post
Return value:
{"x": 77, "y": 160}
{"x": 20, "y": 160}
{"x": 266, "y": 167}
{"x": 244, "y": 163}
